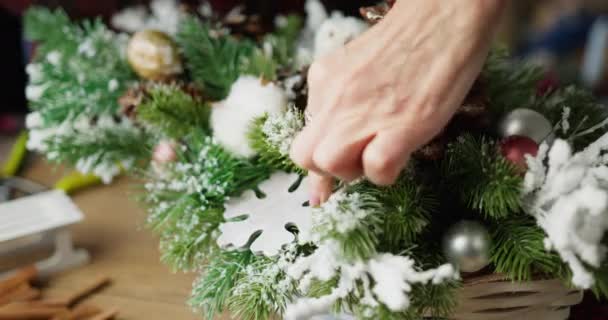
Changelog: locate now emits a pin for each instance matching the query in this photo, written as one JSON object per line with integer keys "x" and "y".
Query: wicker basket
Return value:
{"x": 494, "y": 297}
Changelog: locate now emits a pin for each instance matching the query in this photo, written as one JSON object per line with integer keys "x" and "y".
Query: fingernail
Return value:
{"x": 314, "y": 200}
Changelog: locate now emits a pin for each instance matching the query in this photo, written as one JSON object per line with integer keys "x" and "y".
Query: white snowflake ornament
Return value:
{"x": 268, "y": 216}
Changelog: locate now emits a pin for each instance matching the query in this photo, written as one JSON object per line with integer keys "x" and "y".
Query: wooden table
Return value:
{"x": 121, "y": 247}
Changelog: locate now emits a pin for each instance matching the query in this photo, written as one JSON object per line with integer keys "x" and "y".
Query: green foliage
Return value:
{"x": 436, "y": 300}
{"x": 100, "y": 146}
{"x": 262, "y": 292}
{"x": 89, "y": 74}
{"x": 360, "y": 240}
{"x": 52, "y": 28}
{"x": 585, "y": 113}
{"x": 509, "y": 85}
{"x": 600, "y": 287}
{"x": 407, "y": 207}
{"x": 186, "y": 203}
{"x": 214, "y": 287}
{"x": 283, "y": 40}
{"x": 79, "y": 74}
{"x": 175, "y": 112}
{"x": 216, "y": 61}
{"x": 268, "y": 154}
{"x": 187, "y": 238}
{"x": 485, "y": 180}
{"x": 518, "y": 251}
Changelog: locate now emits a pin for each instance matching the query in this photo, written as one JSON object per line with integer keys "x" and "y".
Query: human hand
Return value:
{"x": 391, "y": 90}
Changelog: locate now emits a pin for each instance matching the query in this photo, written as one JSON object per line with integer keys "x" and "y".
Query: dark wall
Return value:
{"x": 12, "y": 74}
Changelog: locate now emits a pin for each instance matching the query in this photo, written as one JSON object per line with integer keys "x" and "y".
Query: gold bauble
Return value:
{"x": 153, "y": 55}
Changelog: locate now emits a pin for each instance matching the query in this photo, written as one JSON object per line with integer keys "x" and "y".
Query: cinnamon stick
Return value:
{"x": 79, "y": 313}
{"x": 21, "y": 293}
{"x": 106, "y": 315}
{"x": 82, "y": 293}
{"x": 20, "y": 312}
{"x": 24, "y": 275}
{"x": 84, "y": 311}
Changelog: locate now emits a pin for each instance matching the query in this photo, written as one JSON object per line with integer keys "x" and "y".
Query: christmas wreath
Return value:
{"x": 205, "y": 107}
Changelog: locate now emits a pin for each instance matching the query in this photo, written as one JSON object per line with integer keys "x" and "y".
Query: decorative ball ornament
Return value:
{"x": 153, "y": 55}
{"x": 467, "y": 246}
{"x": 527, "y": 123}
{"x": 515, "y": 149}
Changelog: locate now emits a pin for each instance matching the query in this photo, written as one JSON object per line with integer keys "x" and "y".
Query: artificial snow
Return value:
{"x": 384, "y": 279}
{"x": 113, "y": 85}
{"x": 232, "y": 118}
{"x": 33, "y": 92}
{"x": 34, "y": 72}
{"x": 568, "y": 195}
{"x": 41, "y": 135}
{"x": 164, "y": 15}
{"x": 281, "y": 129}
{"x": 54, "y": 58}
{"x": 270, "y": 215}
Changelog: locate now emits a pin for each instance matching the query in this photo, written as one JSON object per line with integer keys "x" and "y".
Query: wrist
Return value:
{"x": 472, "y": 17}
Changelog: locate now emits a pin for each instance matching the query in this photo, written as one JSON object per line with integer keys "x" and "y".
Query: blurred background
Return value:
{"x": 569, "y": 38}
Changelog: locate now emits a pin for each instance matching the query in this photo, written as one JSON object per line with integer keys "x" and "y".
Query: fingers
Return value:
{"x": 321, "y": 188}
{"x": 386, "y": 155}
{"x": 304, "y": 146}
{"x": 339, "y": 152}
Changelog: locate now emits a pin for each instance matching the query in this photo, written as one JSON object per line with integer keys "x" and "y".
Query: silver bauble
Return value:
{"x": 527, "y": 123}
{"x": 467, "y": 246}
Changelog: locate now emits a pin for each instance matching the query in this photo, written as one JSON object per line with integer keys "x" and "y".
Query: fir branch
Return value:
{"x": 438, "y": 301}
{"x": 214, "y": 287}
{"x": 51, "y": 28}
{"x": 264, "y": 291}
{"x": 407, "y": 209}
{"x": 518, "y": 251}
{"x": 215, "y": 62}
{"x": 99, "y": 147}
{"x": 186, "y": 201}
{"x": 190, "y": 239}
{"x": 174, "y": 111}
{"x": 273, "y": 152}
{"x": 82, "y": 67}
{"x": 212, "y": 62}
{"x": 600, "y": 287}
{"x": 353, "y": 220}
{"x": 260, "y": 64}
{"x": 508, "y": 84}
{"x": 283, "y": 41}
{"x": 485, "y": 180}
{"x": 585, "y": 113}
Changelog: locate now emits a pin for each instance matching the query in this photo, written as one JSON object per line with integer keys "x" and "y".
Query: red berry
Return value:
{"x": 515, "y": 148}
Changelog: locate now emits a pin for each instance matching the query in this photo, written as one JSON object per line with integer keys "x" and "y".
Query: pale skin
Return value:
{"x": 391, "y": 90}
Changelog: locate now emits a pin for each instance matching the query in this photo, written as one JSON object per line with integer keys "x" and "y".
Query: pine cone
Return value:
{"x": 474, "y": 112}
{"x": 131, "y": 99}
{"x": 138, "y": 94}
{"x": 240, "y": 23}
{"x": 471, "y": 116}
{"x": 376, "y": 13}
{"x": 433, "y": 151}
{"x": 296, "y": 86}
